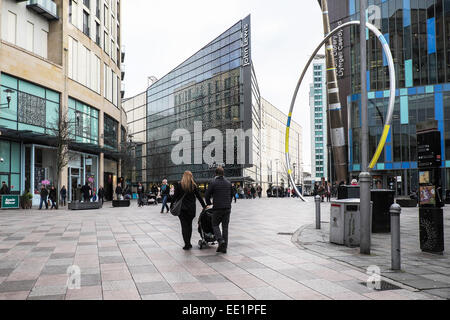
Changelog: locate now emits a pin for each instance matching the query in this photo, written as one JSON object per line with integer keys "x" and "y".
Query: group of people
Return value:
{"x": 222, "y": 193}
{"x": 187, "y": 191}
{"x": 324, "y": 189}
{"x": 86, "y": 193}
{"x": 48, "y": 195}
{"x": 280, "y": 192}
{"x": 81, "y": 193}
{"x": 123, "y": 193}
{"x": 248, "y": 192}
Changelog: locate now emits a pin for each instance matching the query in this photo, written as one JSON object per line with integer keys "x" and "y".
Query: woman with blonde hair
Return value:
{"x": 188, "y": 189}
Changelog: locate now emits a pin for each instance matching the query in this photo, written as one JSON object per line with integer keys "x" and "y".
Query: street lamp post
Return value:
{"x": 8, "y": 99}
{"x": 294, "y": 165}
{"x": 365, "y": 177}
{"x": 277, "y": 176}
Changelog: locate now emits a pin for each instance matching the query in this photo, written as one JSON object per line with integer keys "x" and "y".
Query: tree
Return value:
{"x": 61, "y": 131}
{"x": 64, "y": 130}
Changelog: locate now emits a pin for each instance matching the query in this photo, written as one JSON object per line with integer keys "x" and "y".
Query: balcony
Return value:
{"x": 122, "y": 58}
{"x": 46, "y": 8}
{"x": 122, "y": 71}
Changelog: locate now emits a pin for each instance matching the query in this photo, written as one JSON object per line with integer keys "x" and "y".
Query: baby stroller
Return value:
{"x": 205, "y": 229}
{"x": 151, "y": 199}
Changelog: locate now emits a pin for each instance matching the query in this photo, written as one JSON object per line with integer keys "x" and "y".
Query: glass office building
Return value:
{"x": 418, "y": 32}
{"x": 217, "y": 87}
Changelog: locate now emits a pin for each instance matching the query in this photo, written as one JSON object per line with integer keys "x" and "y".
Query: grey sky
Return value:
{"x": 159, "y": 35}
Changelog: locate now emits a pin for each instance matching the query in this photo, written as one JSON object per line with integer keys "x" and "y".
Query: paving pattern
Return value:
{"x": 135, "y": 253}
{"x": 422, "y": 271}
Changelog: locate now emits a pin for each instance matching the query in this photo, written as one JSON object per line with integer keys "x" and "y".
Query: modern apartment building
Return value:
{"x": 60, "y": 59}
{"x": 318, "y": 111}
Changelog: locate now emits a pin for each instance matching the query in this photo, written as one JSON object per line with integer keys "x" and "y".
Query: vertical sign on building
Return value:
{"x": 246, "y": 78}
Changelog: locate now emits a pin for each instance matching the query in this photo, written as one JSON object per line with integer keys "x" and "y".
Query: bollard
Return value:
{"x": 395, "y": 211}
{"x": 318, "y": 200}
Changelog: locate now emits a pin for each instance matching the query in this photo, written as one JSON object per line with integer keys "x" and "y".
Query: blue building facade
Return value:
{"x": 418, "y": 32}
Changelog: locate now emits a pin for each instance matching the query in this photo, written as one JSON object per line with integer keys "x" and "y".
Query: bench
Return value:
{"x": 85, "y": 205}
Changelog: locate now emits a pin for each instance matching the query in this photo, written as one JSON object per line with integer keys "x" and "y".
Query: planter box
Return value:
{"x": 85, "y": 205}
{"x": 121, "y": 203}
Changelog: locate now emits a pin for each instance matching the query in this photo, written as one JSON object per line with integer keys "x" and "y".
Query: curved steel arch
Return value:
{"x": 392, "y": 80}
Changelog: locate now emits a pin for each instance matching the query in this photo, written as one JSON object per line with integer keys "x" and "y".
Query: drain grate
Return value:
{"x": 285, "y": 233}
{"x": 385, "y": 286}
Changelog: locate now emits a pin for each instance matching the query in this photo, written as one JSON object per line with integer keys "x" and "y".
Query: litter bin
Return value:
{"x": 381, "y": 217}
{"x": 345, "y": 222}
{"x": 348, "y": 192}
{"x": 431, "y": 222}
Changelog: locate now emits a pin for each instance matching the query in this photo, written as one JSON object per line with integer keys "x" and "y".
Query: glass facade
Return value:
{"x": 111, "y": 128}
{"x": 10, "y": 166}
{"x": 216, "y": 86}
{"x": 32, "y": 107}
{"x": 85, "y": 122}
{"x": 418, "y": 32}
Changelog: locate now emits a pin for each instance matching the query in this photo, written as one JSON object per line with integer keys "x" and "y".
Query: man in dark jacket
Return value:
{"x": 63, "y": 194}
{"x": 44, "y": 194}
{"x": 86, "y": 190}
{"x": 4, "y": 189}
{"x": 222, "y": 193}
{"x": 119, "y": 191}
{"x": 101, "y": 194}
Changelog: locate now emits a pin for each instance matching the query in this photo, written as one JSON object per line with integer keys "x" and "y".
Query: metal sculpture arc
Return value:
{"x": 387, "y": 125}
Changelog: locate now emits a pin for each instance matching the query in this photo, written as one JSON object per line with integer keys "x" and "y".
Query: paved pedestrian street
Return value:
{"x": 136, "y": 253}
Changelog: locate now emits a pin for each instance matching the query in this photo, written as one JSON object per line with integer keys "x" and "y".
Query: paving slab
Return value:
{"x": 136, "y": 254}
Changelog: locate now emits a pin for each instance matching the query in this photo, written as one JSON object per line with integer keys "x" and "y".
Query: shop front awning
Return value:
{"x": 32, "y": 137}
{"x": 28, "y": 136}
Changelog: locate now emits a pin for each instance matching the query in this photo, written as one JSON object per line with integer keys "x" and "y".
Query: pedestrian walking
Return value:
{"x": 253, "y": 192}
{"x": 328, "y": 192}
{"x": 44, "y": 195}
{"x": 187, "y": 190}
{"x": 52, "y": 197}
{"x": 234, "y": 192}
{"x": 165, "y": 192}
{"x": 140, "y": 192}
{"x": 101, "y": 194}
{"x": 221, "y": 191}
{"x": 259, "y": 190}
{"x": 241, "y": 192}
{"x": 63, "y": 195}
